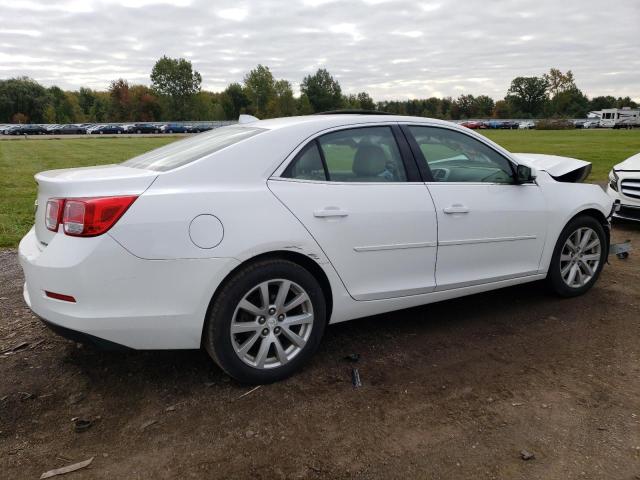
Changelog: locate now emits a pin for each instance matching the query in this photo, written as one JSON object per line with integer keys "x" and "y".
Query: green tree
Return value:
{"x": 144, "y": 104}
{"x": 569, "y": 103}
{"x": 120, "y": 101}
{"x": 598, "y": 103}
{"x": 528, "y": 95}
{"x": 234, "y": 101}
{"x": 283, "y": 104}
{"x": 259, "y": 87}
{"x": 177, "y": 81}
{"x": 502, "y": 109}
{"x": 365, "y": 101}
{"x": 558, "y": 82}
{"x": 483, "y": 106}
{"x": 22, "y": 95}
{"x": 304, "y": 106}
{"x": 322, "y": 90}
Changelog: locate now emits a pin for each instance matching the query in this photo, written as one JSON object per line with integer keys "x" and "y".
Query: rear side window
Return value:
{"x": 186, "y": 151}
{"x": 368, "y": 154}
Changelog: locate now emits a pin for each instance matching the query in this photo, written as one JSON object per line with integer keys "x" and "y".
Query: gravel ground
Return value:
{"x": 453, "y": 390}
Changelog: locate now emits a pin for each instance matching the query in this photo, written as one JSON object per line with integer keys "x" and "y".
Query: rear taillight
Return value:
{"x": 85, "y": 217}
{"x": 53, "y": 213}
{"x": 88, "y": 217}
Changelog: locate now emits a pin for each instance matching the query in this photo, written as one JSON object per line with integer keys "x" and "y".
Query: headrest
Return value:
{"x": 370, "y": 160}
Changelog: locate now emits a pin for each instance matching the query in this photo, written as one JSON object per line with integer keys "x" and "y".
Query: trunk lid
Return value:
{"x": 106, "y": 180}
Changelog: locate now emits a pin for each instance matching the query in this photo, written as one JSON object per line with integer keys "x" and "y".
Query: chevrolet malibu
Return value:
{"x": 249, "y": 239}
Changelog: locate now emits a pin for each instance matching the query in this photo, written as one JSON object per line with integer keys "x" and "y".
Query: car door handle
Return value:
{"x": 330, "y": 212}
{"x": 456, "y": 208}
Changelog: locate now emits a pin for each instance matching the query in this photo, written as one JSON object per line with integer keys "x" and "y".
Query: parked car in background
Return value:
{"x": 142, "y": 128}
{"x": 70, "y": 129}
{"x": 509, "y": 125}
{"x": 198, "y": 128}
{"x": 27, "y": 129}
{"x": 591, "y": 123}
{"x": 624, "y": 187}
{"x": 579, "y": 123}
{"x": 473, "y": 124}
{"x": 174, "y": 128}
{"x": 249, "y": 239}
{"x": 526, "y": 125}
{"x": 106, "y": 129}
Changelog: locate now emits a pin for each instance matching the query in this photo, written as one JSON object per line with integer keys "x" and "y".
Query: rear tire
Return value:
{"x": 578, "y": 257}
{"x": 258, "y": 341}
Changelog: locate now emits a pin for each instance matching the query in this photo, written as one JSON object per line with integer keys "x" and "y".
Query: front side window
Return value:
{"x": 455, "y": 157}
{"x": 186, "y": 151}
{"x": 367, "y": 154}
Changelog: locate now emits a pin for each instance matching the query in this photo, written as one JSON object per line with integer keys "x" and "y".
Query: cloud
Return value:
{"x": 390, "y": 48}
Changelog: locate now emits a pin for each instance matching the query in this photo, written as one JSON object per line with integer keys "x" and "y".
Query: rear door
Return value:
{"x": 489, "y": 227}
{"x": 358, "y": 193}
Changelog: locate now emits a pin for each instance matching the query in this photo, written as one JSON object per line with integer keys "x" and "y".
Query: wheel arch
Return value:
{"x": 601, "y": 217}
{"x": 304, "y": 261}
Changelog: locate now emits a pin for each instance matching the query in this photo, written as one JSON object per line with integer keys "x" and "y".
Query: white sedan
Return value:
{"x": 249, "y": 239}
{"x": 624, "y": 188}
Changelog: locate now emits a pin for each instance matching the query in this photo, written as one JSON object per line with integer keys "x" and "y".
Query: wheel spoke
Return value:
{"x": 283, "y": 291}
{"x": 586, "y": 236}
{"x": 587, "y": 267}
{"x": 250, "y": 307}
{"x": 264, "y": 294}
{"x": 280, "y": 353}
{"x": 572, "y": 275}
{"x": 301, "y": 319}
{"x": 297, "y": 301}
{"x": 296, "y": 339}
{"x": 246, "y": 346}
{"x": 591, "y": 257}
{"x": 565, "y": 269}
{"x": 263, "y": 351}
{"x": 592, "y": 244}
{"x": 565, "y": 258}
{"x": 244, "y": 327}
{"x": 570, "y": 245}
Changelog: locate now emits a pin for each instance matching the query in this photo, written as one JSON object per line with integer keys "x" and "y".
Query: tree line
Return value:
{"x": 176, "y": 94}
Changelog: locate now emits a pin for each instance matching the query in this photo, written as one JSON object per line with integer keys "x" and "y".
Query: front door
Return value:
{"x": 489, "y": 227}
{"x": 351, "y": 190}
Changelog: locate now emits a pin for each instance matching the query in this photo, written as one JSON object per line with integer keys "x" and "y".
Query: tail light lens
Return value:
{"x": 86, "y": 217}
{"x": 53, "y": 213}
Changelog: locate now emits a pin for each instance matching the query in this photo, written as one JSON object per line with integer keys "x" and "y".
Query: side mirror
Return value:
{"x": 525, "y": 174}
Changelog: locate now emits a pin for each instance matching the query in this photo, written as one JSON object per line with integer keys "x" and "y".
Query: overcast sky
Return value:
{"x": 390, "y": 48}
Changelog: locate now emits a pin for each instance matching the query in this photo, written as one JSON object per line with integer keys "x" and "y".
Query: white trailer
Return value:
{"x": 625, "y": 117}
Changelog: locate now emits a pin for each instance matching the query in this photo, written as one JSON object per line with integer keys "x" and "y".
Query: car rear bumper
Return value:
{"x": 119, "y": 298}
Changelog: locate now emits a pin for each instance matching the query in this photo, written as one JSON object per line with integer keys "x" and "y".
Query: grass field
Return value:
{"x": 21, "y": 159}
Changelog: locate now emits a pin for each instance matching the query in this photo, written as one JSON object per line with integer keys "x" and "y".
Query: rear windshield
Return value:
{"x": 186, "y": 151}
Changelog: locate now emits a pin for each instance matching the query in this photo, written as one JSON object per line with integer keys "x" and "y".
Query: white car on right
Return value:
{"x": 624, "y": 187}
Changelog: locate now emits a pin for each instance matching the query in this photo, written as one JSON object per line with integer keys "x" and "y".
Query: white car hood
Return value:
{"x": 564, "y": 169}
{"x": 630, "y": 164}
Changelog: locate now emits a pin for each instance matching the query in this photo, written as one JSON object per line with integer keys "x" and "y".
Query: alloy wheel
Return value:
{"x": 272, "y": 324}
{"x": 580, "y": 257}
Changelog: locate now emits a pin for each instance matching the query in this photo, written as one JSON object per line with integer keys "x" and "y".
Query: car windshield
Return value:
{"x": 186, "y": 151}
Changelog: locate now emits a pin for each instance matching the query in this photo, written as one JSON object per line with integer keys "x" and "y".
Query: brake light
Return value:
{"x": 53, "y": 213}
{"x": 89, "y": 217}
{"x": 60, "y": 296}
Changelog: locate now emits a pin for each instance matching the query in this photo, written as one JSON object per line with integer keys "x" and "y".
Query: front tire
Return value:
{"x": 266, "y": 322}
{"x": 578, "y": 257}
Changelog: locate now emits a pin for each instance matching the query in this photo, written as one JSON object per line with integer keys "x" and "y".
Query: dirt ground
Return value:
{"x": 452, "y": 390}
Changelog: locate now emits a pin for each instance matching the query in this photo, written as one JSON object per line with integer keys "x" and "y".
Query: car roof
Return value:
{"x": 336, "y": 120}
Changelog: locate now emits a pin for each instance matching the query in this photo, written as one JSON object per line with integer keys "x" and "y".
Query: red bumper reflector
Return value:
{"x": 60, "y": 296}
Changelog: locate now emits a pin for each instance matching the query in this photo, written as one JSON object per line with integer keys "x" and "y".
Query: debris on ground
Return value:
{"x": 172, "y": 408}
{"x": 355, "y": 378}
{"x": 67, "y": 469}
{"x": 82, "y": 425}
{"x": 517, "y": 404}
{"x": 352, "y": 357}
{"x": 16, "y": 348}
{"x": 249, "y": 392}
{"x": 526, "y": 455}
{"x": 75, "y": 398}
{"x": 148, "y": 424}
